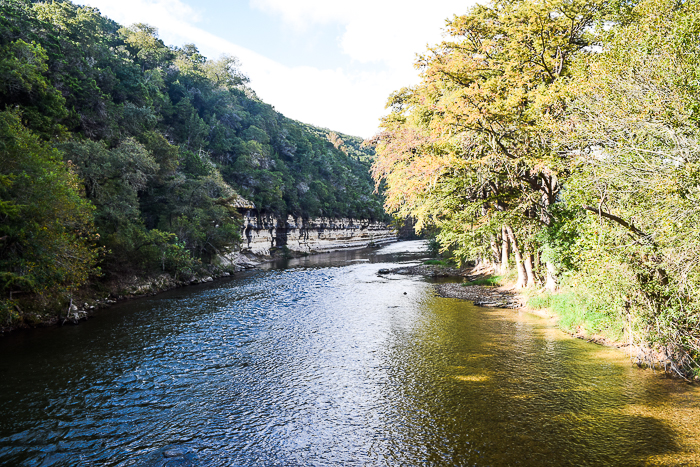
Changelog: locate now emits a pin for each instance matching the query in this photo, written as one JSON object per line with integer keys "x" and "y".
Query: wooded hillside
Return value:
{"x": 121, "y": 154}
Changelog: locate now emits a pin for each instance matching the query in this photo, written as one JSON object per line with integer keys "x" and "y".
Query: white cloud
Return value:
{"x": 389, "y": 31}
{"x": 344, "y": 100}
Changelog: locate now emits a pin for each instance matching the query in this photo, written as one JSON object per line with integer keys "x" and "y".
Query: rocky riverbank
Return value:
{"x": 427, "y": 270}
{"x": 497, "y": 297}
{"x": 500, "y": 297}
{"x": 107, "y": 292}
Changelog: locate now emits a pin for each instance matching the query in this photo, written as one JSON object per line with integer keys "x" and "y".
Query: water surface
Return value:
{"x": 320, "y": 362}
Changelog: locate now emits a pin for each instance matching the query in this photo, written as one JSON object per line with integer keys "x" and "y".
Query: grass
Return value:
{"x": 575, "y": 309}
{"x": 496, "y": 281}
{"x": 578, "y": 311}
{"x": 491, "y": 280}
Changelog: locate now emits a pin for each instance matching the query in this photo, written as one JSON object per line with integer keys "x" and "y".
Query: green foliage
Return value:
{"x": 567, "y": 131}
{"x": 112, "y": 179}
{"x": 635, "y": 108}
{"x": 23, "y": 83}
{"x": 225, "y": 72}
{"x": 470, "y": 149}
{"x": 163, "y": 251}
{"x": 160, "y": 140}
{"x": 46, "y": 232}
{"x": 559, "y": 239}
{"x": 353, "y": 146}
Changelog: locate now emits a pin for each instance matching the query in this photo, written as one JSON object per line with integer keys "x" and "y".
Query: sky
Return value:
{"x": 331, "y": 63}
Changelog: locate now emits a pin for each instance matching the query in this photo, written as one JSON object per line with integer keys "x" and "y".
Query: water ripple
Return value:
{"x": 327, "y": 364}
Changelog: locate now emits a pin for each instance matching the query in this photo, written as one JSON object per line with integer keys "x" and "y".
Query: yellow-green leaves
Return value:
{"x": 484, "y": 113}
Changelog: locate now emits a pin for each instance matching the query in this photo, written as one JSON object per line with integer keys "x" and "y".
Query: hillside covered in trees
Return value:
{"x": 122, "y": 155}
{"x": 562, "y": 137}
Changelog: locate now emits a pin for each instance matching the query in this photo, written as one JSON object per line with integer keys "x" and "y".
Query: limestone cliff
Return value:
{"x": 261, "y": 234}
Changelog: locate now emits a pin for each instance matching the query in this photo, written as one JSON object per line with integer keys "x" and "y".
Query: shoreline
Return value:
{"x": 506, "y": 297}
{"x": 130, "y": 287}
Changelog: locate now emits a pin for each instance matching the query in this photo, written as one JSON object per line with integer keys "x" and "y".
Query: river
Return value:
{"x": 320, "y": 361}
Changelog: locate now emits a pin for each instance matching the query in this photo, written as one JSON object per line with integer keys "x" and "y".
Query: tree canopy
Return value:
{"x": 562, "y": 134}
{"x": 472, "y": 144}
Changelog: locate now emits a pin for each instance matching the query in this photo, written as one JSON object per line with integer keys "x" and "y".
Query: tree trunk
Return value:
{"x": 551, "y": 284}
{"x": 505, "y": 267}
{"x": 496, "y": 255}
{"x": 528, "y": 270}
{"x": 522, "y": 274}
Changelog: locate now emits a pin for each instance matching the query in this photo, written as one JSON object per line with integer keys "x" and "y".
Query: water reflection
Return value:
{"x": 320, "y": 361}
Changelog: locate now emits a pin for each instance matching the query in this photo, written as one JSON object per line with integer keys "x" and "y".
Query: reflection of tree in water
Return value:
{"x": 468, "y": 388}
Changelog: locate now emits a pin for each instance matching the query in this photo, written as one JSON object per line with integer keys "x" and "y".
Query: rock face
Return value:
{"x": 260, "y": 234}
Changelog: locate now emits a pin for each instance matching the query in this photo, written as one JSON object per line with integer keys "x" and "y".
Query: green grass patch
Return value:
{"x": 576, "y": 310}
{"x": 499, "y": 280}
{"x": 491, "y": 281}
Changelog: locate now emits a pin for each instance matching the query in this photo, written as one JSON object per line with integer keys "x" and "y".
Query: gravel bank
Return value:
{"x": 498, "y": 297}
{"x": 480, "y": 295}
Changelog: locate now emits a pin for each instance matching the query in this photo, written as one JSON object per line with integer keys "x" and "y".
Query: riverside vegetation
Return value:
{"x": 122, "y": 156}
{"x": 562, "y": 136}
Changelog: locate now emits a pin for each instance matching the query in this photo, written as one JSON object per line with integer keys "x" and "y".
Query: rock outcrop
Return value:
{"x": 263, "y": 235}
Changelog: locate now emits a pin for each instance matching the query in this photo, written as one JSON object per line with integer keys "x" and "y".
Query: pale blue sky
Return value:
{"x": 269, "y": 35}
{"x": 329, "y": 63}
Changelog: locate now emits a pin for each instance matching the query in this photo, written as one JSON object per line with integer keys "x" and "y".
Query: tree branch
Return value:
{"x": 617, "y": 220}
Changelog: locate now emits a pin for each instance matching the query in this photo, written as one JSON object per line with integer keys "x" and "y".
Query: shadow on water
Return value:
{"x": 320, "y": 361}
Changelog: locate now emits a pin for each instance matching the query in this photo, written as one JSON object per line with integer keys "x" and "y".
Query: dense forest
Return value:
{"x": 561, "y": 137}
{"x": 122, "y": 155}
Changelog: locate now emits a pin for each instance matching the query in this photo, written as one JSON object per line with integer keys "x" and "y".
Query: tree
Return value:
{"x": 23, "y": 83}
{"x": 46, "y": 233}
{"x": 470, "y": 149}
{"x": 112, "y": 179}
{"x": 226, "y": 71}
{"x": 143, "y": 42}
{"x": 634, "y": 116}
{"x": 161, "y": 140}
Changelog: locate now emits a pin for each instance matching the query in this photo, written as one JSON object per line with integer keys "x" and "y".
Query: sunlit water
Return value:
{"x": 321, "y": 361}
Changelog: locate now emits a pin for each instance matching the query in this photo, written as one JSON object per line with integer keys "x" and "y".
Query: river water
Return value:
{"x": 322, "y": 362}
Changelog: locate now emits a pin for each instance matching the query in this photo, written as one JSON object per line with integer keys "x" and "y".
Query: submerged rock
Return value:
{"x": 174, "y": 452}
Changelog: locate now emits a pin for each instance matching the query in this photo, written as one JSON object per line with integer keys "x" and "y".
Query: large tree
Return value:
{"x": 470, "y": 149}
{"x": 634, "y": 114}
